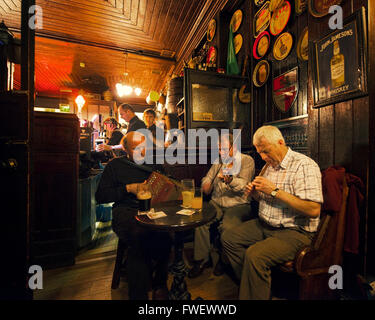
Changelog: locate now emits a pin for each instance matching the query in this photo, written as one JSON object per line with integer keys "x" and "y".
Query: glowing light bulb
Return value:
{"x": 138, "y": 91}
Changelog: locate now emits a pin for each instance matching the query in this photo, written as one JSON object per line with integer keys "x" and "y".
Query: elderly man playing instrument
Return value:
{"x": 289, "y": 191}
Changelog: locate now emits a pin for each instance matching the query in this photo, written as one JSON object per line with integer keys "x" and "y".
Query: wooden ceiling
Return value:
{"x": 157, "y": 34}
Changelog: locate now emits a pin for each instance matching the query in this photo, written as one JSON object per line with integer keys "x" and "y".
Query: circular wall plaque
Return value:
{"x": 262, "y": 19}
{"x": 211, "y": 30}
{"x": 280, "y": 18}
{"x": 237, "y": 42}
{"x": 261, "y": 73}
{"x": 303, "y": 45}
{"x": 261, "y": 45}
{"x": 236, "y": 20}
{"x": 320, "y": 8}
{"x": 282, "y": 46}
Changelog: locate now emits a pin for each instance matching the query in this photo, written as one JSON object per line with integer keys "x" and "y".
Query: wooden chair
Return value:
{"x": 312, "y": 263}
{"x": 122, "y": 246}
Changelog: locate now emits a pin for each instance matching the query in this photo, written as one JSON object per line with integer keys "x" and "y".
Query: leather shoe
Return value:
{"x": 198, "y": 268}
{"x": 160, "y": 294}
{"x": 219, "y": 268}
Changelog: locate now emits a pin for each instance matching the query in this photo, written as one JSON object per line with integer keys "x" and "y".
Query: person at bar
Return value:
{"x": 289, "y": 191}
{"x": 113, "y": 138}
{"x": 127, "y": 113}
{"x": 119, "y": 184}
{"x": 227, "y": 197}
{"x": 149, "y": 117}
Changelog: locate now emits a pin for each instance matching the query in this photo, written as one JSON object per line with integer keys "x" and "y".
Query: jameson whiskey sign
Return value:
{"x": 339, "y": 64}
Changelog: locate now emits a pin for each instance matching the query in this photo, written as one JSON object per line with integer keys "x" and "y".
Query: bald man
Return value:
{"x": 118, "y": 184}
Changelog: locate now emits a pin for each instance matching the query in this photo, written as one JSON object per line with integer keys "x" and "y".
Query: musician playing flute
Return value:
{"x": 289, "y": 191}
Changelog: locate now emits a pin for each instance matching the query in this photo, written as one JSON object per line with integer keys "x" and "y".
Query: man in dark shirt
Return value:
{"x": 127, "y": 113}
{"x": 119, "y": 184}
{"x": 113, "y": 138}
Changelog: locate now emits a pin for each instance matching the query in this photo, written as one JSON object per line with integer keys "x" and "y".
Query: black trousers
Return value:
{"x": 148, "y": 253}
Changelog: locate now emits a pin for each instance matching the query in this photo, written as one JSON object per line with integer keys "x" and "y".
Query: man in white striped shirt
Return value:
{"x": 289, "y": 191}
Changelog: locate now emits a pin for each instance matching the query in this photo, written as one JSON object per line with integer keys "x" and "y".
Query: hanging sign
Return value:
{"x": 283, "y": 45}
{"x": 211, "y": 30}
{"x": 261, "y": 45}
{"x": 262, "y": 19}
{"x": 236, "y": 20}
{"x": 261, "y": 72}
{"x": 303, "y": 45}
{"x": 285, "y": 89}
{"x": 320, "y": 8}
{"x": 280, "y": 18}
{"x": 237, "y": 42}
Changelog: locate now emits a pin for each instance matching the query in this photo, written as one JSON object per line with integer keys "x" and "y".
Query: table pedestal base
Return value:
{"x": 179, "y": 270}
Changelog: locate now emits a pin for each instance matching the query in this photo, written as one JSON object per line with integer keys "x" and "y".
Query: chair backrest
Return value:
{"x": 329, "y": 240}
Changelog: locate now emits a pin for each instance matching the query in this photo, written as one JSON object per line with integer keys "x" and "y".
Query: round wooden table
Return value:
{"x": 177, "y": 223}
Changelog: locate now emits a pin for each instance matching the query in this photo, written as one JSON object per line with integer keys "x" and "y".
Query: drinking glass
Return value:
{"x": 144, "y": 196}
{"x": 198, "y": 199}
{"x": 187, "y": 192}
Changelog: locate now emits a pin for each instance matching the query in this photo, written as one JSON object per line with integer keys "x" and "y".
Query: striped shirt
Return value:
{"x": 300, "y": 176}
{"x": 230, "y": 195}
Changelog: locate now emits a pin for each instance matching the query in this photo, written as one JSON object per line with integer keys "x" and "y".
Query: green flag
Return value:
{"x": 232, "y": 66}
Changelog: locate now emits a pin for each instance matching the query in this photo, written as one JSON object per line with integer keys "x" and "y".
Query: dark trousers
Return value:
{"x": 148, "y": 253}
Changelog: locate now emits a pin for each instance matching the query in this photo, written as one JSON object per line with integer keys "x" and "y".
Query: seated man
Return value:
{"x": 227, "y": 196}
{"x": 119, "y": 183}
{"x": 289, "y": 191}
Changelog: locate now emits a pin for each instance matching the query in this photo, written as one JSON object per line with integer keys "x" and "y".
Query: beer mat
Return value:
{"x": 156, "y": 215}
{"x": 186, "y": 212}
{"x": 142, "y": 213}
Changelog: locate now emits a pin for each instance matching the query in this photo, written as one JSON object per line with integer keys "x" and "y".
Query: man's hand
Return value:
{"x": 263, "y": 185}
{"x": 132, "y": 188}
{"x": 104, "y": 147}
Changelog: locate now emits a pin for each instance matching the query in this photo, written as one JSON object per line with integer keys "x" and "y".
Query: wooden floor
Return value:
{"x": 90, "y": 278}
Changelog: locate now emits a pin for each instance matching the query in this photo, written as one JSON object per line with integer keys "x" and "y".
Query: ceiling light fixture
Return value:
{"x": 124, "y": 89}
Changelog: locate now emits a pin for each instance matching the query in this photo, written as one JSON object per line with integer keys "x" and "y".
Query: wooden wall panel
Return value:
{"x": 337, "y": 134}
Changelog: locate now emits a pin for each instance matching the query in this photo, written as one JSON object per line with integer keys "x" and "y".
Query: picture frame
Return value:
{"x": 339, "y": 62}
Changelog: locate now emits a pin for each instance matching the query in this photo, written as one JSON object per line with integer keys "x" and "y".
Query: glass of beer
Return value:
{"x": 197, "y": 200}
{"x": 144, "y": 196}
{"x": 187, "y": 192}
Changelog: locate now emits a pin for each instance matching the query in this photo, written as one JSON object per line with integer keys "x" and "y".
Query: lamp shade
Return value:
{"x": 152, "y": 97}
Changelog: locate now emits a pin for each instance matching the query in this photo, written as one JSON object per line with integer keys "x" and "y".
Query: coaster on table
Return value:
{"x": 142, "y": 213}
{"x": 186, "y": 212}
{"x": 156, "y": 215}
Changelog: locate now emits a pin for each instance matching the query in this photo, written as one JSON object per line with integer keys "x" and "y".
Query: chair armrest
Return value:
{"x": 309, "y": 261}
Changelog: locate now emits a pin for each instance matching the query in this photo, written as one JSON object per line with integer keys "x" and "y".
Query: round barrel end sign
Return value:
{"x": 261, "y": 72}
{"x": 261, "y": 45}
{"x": 280, "y": 18}
{"x": 283, "y": 45}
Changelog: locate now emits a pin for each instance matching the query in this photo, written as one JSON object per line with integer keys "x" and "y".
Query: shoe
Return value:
{"x": 160, "y": 294}
{"x": 219, "y": 268}
{"x": 198, "y": 268}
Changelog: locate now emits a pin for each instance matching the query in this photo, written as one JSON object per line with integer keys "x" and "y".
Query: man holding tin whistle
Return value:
{"x": 289, "y": 191}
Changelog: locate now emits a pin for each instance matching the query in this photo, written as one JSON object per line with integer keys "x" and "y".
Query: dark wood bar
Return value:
{"x": 69, "y": 70}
